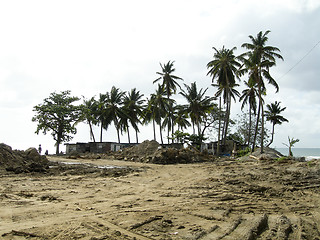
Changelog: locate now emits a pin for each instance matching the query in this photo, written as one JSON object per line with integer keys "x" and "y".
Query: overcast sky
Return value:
{"x": 89, "y": 46}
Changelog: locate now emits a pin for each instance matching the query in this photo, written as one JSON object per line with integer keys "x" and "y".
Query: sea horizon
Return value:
{"x": 308, "y": 153}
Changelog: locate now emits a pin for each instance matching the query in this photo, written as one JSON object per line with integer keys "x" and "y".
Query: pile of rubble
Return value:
{"x": 152, "y": 152}
{"x": 22, "y": 161}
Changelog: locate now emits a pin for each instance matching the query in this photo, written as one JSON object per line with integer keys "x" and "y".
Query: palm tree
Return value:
{"x": 133, "y": 109}
{"x": 114, "y": 111}
{"x": 249, "y": 96}
{"x": 262, "y": 58}
{"x": 158, "y": 106}
{"x": 89, "y": 108}
{"x": 224, "y": 68}
{"x": 198, "y": 104}
{"x": 181, "y": 117}
{"x": 101, "y": 114}
{"x": 273, "y": 115}
{"x": 169, "y": 83}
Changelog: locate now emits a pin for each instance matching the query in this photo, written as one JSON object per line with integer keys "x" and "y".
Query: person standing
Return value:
{"x": 39, "y": 149}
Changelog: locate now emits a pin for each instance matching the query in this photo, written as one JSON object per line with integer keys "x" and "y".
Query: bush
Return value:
{"x": 243, "y": 152}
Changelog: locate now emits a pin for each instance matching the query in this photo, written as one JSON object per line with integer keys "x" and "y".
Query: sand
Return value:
{"x": 223, "y": 199}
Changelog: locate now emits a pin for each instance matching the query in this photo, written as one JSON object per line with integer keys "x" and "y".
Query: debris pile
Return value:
{"x": 152, "y": 152}
{"x": 22, "y": 161}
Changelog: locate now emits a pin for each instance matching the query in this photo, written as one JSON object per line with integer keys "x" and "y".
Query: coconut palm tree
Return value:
{"x": 249, "y": 96}
{"x": 262, "y": 58}
{"x": 273, "y": 115}
{"x": 89, "y": 108}
{"x": 181, "y": 117}
{"x": 198, "y": 105}
{"x": 133, "y": 108}
{"x": 101, "y": 114}
{"x": 113, "y": 109}
{"x": 224, "y": 69}
{"x": 158, "y": 106}
{"x": 169, "y": 83}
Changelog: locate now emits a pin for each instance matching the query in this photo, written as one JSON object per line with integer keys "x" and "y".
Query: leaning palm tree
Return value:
{"x": 114, "y": 111}
{"x": 169, "y": 83}
{"x": 249, "y": 96}
{"x": 273, "y": 115}
{"x": 224, "y": 69}
{"x": 262, "y": 58}
{"x": 133, "y": 108}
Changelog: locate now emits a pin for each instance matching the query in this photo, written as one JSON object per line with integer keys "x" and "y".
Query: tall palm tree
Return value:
{"x": 198, "y": 105}
{"x": 89, "y": 108}
{"x": 224, "y": 69}
{"x": 273, "y": 115}
{"x": 249, "y": 96}
{"x": 169, "y": 83}
{"x": 114, "y": 111}
{"x": 263, "y": 57}
{"x": 133, "y": 109}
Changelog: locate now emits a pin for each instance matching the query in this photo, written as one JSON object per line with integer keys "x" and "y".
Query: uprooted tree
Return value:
{"x": 58, "y": 115}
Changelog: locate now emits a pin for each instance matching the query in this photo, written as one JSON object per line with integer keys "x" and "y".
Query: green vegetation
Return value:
{"x": 243, "y": 152}
{"x": 58, "y": 115}
{"x": 291, "y": 143}
{"x": 205, "y": 116}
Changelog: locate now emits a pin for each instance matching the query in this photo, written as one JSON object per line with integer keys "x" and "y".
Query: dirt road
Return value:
{"x": 225, "y": 199}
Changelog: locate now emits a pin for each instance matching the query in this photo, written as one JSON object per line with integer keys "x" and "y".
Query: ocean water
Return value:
{"x": 308, "y": 153}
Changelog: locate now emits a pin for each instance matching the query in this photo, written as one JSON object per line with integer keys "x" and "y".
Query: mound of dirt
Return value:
{"x": 152, "y": 152}
{"x": 268, "y": 154}
{"x": 22, "y": 161}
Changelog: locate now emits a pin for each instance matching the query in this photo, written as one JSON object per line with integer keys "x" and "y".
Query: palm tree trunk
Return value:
{"x": 250, "y": 123}
{"x": 172, "y": 131}
{"x": 91, "y": 132}
{"x": 227, "y": 120}
{"x": 161, "y": 134}
{"x": 256, "y": 129}
{"x": 101, "y": 132}
{"x": 219, "y": 128}
{"x": 154, "y": 130}
{"x": 118, "y": 133}
{"x": 271, "y": 136}
{"x": 137, "y": 136}
{"x": 115, "y": 121}
{"x": 128, "y": 134}
{"x": 262, "y": 125}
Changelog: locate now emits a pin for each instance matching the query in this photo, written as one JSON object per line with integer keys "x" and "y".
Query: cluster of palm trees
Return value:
{"x": 254, "y": 64}
{"x": 125, "y": 109}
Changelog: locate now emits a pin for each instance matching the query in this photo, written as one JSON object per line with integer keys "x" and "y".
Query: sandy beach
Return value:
{"x": 223, "y": 199}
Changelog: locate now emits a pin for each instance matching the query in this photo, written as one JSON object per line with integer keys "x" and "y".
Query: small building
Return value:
{"x": 93, "y": 147}
{"x": 227, "y": 149}
{"x": 118, "y": 146}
